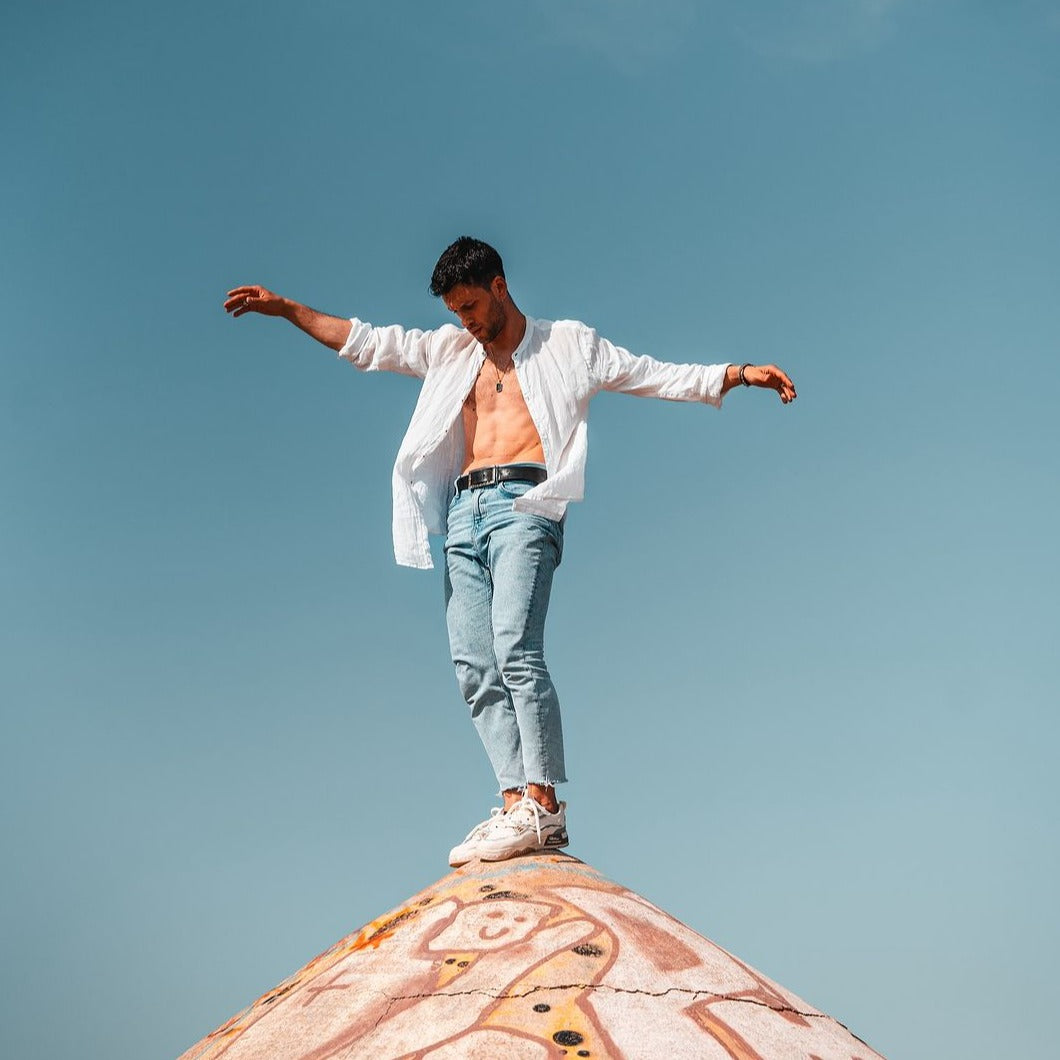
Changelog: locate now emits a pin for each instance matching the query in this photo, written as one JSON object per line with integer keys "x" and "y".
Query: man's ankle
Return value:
{"x": 545, "y": 796}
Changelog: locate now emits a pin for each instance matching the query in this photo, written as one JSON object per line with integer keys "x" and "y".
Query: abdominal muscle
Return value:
{"x": 498, "y": 428}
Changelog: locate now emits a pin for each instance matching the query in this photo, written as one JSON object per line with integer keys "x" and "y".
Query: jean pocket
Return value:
{"x": 515, "y": 487}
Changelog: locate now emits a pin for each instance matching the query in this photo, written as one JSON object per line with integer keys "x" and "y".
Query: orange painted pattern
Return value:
{"x": 525, "y": 959}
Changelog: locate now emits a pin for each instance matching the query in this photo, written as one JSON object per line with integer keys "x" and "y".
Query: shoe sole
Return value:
{"x": 553, "y": 842}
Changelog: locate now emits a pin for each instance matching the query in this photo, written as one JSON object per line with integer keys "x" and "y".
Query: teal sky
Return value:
{"x": 807, "y": 655}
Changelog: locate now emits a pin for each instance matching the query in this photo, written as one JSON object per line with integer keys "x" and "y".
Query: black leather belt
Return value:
{"x": 490, "y": 476}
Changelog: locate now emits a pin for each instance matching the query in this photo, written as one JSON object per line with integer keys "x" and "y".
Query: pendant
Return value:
{"x": 500, "y": 387}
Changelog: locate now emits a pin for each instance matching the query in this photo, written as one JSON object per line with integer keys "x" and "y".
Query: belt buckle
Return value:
{"x": 492, "y": 476}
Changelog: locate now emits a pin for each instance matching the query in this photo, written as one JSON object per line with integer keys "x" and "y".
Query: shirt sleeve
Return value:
{"x": 387, "y": 349}
{"x": 615, "y": 368}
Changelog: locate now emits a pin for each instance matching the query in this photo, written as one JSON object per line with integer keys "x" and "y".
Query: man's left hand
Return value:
{"x": 771, "y": 377}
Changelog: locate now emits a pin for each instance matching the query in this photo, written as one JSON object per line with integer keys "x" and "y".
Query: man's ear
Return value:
{"x": 499, "y": 287}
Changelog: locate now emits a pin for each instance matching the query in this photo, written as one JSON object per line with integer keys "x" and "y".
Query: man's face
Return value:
{"x": 481, "y": 309}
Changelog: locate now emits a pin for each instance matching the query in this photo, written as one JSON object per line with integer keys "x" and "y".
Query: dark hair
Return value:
{"x": 467, "y": 261}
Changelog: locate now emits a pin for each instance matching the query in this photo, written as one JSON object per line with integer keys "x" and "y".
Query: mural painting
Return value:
{"x": 536, "y": 958}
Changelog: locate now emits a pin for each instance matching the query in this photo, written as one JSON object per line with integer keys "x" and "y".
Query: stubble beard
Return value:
{"x": 494, "y": 325}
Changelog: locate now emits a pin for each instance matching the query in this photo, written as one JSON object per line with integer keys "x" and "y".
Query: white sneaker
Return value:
{"x": 468, "y": 849}
{"x": 525, "y": 828}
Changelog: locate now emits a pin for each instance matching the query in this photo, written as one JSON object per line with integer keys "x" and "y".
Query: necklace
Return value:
{"x": 500, "y": 374}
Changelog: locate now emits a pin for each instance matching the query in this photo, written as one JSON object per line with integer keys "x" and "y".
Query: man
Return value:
{"x": 492, "y": 457}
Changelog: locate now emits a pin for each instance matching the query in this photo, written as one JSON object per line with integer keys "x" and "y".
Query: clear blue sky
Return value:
{"x": 808, "y": 655}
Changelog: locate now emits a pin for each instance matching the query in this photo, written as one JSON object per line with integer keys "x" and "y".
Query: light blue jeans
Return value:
{"x": 498, "y": 578}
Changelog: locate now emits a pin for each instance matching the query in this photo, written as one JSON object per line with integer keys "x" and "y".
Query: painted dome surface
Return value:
{"x": 524, "y": 960}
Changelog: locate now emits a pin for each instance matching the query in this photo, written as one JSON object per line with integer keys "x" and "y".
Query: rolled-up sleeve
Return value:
{"x": 387, "y": 349}
{"x": 615, "y": 368}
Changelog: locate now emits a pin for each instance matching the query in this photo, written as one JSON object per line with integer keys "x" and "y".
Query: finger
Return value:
{"x": 251, "y": 289}
{"x": 243, "y": 303}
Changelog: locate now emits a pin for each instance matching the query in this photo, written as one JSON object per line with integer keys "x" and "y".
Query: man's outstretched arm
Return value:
{"x": 331, "y": 331}
{"x": 765, "y": 375}
{"x": 616, "y": 368}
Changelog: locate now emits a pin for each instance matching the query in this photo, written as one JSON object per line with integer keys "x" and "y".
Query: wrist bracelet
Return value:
{"x": 743, "y": 378}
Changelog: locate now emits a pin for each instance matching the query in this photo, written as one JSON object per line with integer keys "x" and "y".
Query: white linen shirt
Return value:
{"x": 560, "y": 365}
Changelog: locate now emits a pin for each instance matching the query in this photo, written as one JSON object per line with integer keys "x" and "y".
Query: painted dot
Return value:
{"x": 462, "y": 964}
{"x": 486, "y": 887}
{"x": 567, "y": 1038}
{"x": 584, "y": 1052}
{"x": 586, "y": 949}
{"x": 542, "y": 1007}
{"x": 450, "y": 960}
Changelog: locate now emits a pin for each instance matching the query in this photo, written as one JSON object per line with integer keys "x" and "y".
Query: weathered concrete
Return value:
{"x": 528, "y": 959}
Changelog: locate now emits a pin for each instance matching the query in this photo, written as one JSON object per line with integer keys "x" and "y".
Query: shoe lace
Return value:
{"x": 487, "y": 825}
{"x": 527, "y": 806}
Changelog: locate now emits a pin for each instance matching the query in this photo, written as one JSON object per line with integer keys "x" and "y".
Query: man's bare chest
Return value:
{"x": 496, "y": 393}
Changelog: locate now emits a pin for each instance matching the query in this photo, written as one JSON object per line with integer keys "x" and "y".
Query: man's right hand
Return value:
{"x": 331, "y": 331}
{"x": 254, "y": 299}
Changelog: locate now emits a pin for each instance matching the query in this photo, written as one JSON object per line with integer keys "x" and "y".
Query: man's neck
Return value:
{"x": 507, "y": 342}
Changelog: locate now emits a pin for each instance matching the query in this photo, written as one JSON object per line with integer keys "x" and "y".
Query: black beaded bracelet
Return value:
{"x": 743, "y": 378}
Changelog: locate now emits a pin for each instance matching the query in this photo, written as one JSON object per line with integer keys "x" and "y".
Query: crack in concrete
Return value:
{"x": 695, "y": 995}
{"x": 390, "y": 1002}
